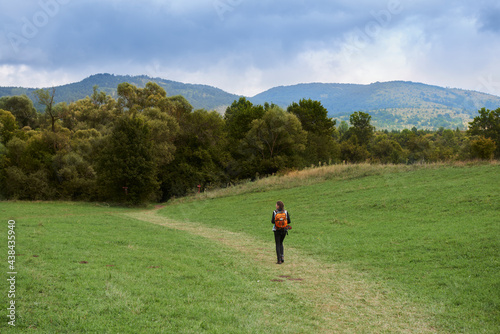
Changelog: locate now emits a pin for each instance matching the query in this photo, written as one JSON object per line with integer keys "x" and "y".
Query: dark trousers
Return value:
{"x": 279, "y": 236}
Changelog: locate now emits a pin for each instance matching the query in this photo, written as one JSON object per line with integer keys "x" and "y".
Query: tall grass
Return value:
{"x": 313, "y": 175}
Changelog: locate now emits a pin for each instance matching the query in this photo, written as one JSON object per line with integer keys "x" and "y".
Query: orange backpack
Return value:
{"x": 280, "y": 219}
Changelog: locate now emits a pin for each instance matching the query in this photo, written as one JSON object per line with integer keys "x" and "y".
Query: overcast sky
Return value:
{"x": 248, "y": 46}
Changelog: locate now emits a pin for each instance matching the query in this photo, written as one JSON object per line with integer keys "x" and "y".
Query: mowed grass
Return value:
{"x": 430, "y": 233}
{"x": 85, "y": 268}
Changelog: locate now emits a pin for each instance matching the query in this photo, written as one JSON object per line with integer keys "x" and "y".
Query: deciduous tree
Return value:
{"x": 239, "y": 117}
{"x": 487, "y": 124}
{"x": 482, "y": 148}
{"x": 22, "y": 108}
{"x": 8, "y": 126}
{"x": 126, "y": 166}
{"x": 45, "y": 97}
{"x": 200, "y": 157}
{"x": 321, "y": 146}
{"x": 275, "y": 141}
{"x": 361, "y": 127}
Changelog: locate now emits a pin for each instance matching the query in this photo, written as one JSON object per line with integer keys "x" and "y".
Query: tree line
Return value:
{"x": 144, "y": 146}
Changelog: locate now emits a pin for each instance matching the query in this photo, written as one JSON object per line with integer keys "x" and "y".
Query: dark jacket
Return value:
{"x": 274, "y": 214}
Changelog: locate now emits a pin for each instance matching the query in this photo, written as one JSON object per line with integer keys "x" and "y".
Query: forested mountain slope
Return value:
{"x": 392, "y": 105}
{"x": 200, "y": 96}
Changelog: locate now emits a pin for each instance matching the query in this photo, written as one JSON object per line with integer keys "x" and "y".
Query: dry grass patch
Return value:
{"x": 313, "y": 175}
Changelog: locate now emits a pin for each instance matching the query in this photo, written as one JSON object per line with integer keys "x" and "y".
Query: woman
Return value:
{"x": 280, "y": 221}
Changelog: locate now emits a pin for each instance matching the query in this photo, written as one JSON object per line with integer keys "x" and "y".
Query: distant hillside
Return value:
{"x": 393, "y": 105}
{"x": 200, "y": 96}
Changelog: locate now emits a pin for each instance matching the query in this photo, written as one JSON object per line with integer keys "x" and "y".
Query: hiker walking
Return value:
{"x": 281, "y": 222}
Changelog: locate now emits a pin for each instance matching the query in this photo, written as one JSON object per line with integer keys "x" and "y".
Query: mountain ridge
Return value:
{"x": 392, "y": 105}
{"x": 200, "y": 96}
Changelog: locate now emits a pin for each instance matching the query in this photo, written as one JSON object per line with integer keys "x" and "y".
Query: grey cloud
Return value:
{"x": 489, "y": 19}
{"x": 191, "y": 36}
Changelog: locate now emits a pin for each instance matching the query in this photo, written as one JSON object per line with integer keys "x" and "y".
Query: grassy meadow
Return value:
{"x": 83, "y": 268}
{"x": 373, "y": 249}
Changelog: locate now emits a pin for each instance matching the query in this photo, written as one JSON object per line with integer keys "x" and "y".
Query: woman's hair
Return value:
{"x": 280, "y": 205}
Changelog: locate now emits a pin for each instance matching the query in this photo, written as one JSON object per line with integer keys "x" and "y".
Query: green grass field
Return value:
{"x": 373, "y": 250}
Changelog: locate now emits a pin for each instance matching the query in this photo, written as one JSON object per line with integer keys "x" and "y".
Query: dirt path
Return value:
{"x": 346, "y": 301}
